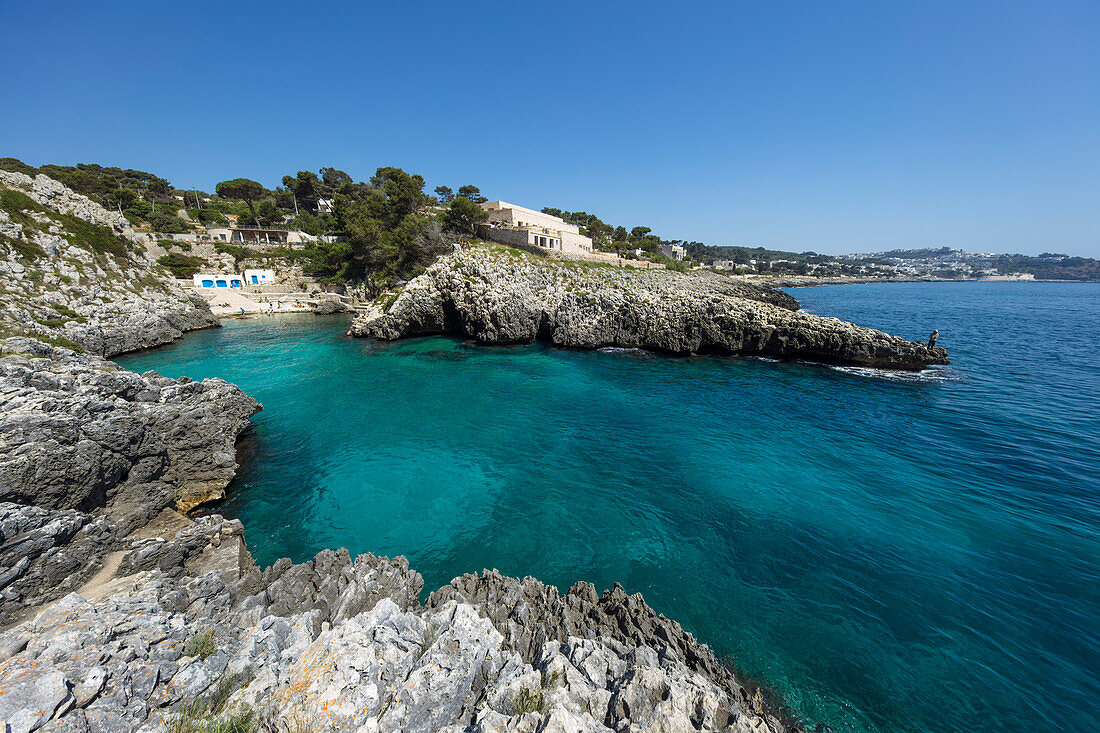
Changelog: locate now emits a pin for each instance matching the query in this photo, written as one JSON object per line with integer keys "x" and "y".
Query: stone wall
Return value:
{"x": 513, "y": 237}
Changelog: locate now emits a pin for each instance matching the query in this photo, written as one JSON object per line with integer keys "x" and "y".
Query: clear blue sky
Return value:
{"x": 832, "y": 126}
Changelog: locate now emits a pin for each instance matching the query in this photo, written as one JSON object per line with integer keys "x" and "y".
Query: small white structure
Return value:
{"x": 217, "y": 280}
{"x": 259, "y": 277}
{"x": 324, "y": 206}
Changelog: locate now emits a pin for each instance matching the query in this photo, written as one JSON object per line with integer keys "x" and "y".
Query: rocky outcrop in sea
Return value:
{"x": 501, "y": 296}
{"x": 73, "y": 273}
{"x": 122, "y": 614}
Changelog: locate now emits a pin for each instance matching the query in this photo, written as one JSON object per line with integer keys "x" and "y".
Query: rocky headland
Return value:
{"x": 123, "y": 614}
{"x": 502, "y": 296}
{"x": 75, "y": 274}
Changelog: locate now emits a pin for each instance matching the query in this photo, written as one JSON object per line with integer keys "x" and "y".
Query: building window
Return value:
{"x": 221, "y": 283}
{"x": 208, "y": 283}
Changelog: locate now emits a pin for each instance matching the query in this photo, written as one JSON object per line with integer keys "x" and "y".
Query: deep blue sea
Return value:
{"x": 888, "y": 552}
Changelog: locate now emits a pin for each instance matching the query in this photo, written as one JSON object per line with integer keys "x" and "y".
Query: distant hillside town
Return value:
{"x": 324, "y": 228}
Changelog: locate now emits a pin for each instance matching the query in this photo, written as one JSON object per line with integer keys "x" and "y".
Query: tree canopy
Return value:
{"x": 473, "y": 193}
{"x": 245, "y": 189}
{"x": 462, "y": 216}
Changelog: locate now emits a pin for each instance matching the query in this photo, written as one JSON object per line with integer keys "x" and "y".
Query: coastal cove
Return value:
{"x": 888, "y": 551}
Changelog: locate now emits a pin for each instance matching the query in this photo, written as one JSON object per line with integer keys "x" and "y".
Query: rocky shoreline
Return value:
{"x": 123, "y": 614}
{"x": 501, "y": 296}
{"x": 73, "y": 273}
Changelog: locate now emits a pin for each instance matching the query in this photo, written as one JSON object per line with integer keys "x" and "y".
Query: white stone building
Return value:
{"x": 217, "y": 280}
{"x": 542, "y": 230}
{"x": 259, "y": 277}
{"x": 673, "y": 251}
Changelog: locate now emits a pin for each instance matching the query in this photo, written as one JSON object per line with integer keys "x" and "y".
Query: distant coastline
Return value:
{"x": 812, "y": 282}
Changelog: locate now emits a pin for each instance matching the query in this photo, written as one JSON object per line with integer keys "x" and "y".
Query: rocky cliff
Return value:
{"x": 72, "y": 272}
{"x": 98, "y": 452}
{"x": 164, "y": 623}
{"x": 497, "y": 295}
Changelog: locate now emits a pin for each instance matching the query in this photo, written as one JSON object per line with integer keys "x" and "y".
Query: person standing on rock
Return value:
{"x": 932, "y": 339}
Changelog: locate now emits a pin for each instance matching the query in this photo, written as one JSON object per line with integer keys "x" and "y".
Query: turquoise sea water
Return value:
{"x": 889, "y": 552}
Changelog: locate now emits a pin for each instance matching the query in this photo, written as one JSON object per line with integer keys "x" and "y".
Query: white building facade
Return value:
{"x": 217, "y": 280}
{"x": 259, "y": 277}
{"x": 543, "y": 230}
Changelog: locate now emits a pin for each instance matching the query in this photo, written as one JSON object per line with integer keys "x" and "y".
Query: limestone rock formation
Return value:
{"x": 500, "y": 296}
{"x": 330, "y": 307}
{"x": 214, "y": 638}
{"x": 71, "y": 270}
{"x": 165, "y": 623}
{"x": 95, "y": 451}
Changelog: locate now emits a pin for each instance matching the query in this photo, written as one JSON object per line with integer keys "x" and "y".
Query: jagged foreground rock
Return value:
{"x": 501, "y": 296}
{"x": 333, "y": 644}
{"x": 166, "y": 621}
{"x": 106, "y": 450}
{"x": 71, "y": 269}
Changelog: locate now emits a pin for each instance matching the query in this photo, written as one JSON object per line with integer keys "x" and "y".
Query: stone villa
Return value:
{"x": 511, "y": 224}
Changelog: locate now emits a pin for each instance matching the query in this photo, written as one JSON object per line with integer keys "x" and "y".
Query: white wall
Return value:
{"x": 506, "y": 213}
{"x": 262, "y": 277}
{"x": 541, "y": 227}
{"x": 217, "y": 280}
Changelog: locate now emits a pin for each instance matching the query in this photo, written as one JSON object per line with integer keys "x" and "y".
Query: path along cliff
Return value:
{"x": 500, "y": 296}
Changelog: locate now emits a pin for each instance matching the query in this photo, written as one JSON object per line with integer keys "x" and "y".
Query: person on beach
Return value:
{"x": 932, "y": 339}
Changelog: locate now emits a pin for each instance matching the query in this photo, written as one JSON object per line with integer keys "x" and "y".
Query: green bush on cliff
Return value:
{"x": 671, "y": 264}
{"x": 168, "y": 223}
{"x": 200, "y": 645}
{"x": 180, "y": 265}
{"x": 67, "y": 311}
{"x": 99, "y": 239}
{"x": 25, "y": 248}
{"x": 207, "y": 714}
{"x": 14, "y": 203}
{"x": 528, "y": 700}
